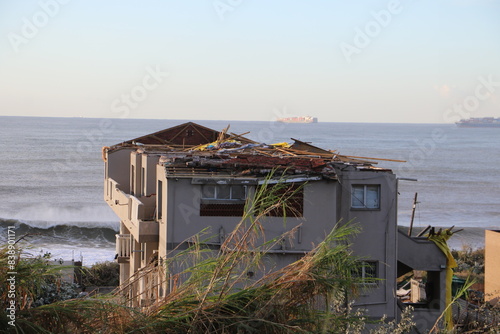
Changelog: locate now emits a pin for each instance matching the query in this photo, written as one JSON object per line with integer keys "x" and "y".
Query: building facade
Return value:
{"x": 170, "y": 185}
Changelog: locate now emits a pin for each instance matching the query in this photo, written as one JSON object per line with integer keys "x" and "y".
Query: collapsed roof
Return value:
{"x": 193, "y": 149}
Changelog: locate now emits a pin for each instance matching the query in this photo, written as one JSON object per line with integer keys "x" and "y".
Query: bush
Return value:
{"x": 101, "y": 274}
{"x": 55, "y": 291}
{"x": 36, "y": 281}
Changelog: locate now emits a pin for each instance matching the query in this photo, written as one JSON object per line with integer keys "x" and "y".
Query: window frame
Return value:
{"x": 217, "y": 193}
{"x": 362, "y": 272}
{"x": 295, "y": 193}
{"x": 363, "y": 200}
{"x": 222, "y": 207}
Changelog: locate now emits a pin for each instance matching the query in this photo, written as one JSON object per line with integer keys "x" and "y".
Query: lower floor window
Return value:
{"x": 223, "y": 200}
{"x": 222, "y": 209}
{"x": 367, "y": 271}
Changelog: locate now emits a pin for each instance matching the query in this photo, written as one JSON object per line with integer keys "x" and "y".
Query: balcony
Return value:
{"x": 123, "y": 247}
{"x": 419, "y": 253}
{"x": 137, "y": 214}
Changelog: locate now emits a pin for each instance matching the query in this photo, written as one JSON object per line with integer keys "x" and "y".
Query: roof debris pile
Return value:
{"x": 191, "y": 148}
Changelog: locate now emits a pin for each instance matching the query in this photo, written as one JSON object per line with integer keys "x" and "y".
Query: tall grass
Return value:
{"x": 32, "y": 275}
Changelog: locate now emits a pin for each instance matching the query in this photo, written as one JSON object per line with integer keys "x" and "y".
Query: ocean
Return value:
{"x": 51, "y": 185}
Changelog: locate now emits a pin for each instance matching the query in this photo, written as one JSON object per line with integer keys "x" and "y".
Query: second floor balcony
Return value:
{"x": 138, "y": 214}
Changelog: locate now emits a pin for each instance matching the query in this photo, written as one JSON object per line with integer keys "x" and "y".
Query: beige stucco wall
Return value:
{"x": 118, "y": 168}
{"x": 135, "y": 174}
{"x": 149, "y": 162}
{"x": 492, "y": 266}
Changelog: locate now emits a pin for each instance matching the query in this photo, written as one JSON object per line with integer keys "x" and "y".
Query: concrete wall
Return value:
{"x": 149, "y": 162}
{"x": 492, "y": 266}
{"x": 162, "y": 195}
{"x": 325, "y": 202}
{"x": 183, "y": 218}
{"x": 131, "y": 209}
{"x": 135, "y": 174}
{"x": 378, "y": 238}
{"x": 118, "y": 168}
{"x": 420, "y": 253}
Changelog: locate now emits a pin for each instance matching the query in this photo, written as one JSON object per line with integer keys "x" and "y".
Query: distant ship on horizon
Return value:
{"x": 298, "y": 119}
{"x": 479, "y": 122}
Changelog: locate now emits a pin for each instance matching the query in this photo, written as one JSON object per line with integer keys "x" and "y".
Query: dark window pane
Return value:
{"x": 208, "y": 191}
{"x": 357, "y": 198}
{"x": 223, "y": 192}
{"x": 372, "y": 197}
{"x": 293, "y": 195}
{"x": 238, "y": 192}
{"x": 222, "y": 210}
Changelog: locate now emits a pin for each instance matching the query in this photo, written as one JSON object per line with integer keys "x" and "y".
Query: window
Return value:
{"x": 294, "y": 196}
{"x": 367, "y": 272}
{"x": 223, "y": 200}
{"x": 222, "y": 209}
{"x": 224, "y": 192}
{"x": 365, "y": 197}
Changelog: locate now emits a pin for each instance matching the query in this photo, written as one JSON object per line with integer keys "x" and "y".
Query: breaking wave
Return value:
{"x": 51, "y": 232}
{"x": 45, "y": 215}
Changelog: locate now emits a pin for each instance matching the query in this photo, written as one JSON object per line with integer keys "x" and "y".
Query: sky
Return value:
{"x": 420, "y": 61}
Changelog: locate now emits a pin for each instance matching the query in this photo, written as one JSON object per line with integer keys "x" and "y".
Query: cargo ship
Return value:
{"x": 479, "y": 122}
{"x": 298, "y": 119}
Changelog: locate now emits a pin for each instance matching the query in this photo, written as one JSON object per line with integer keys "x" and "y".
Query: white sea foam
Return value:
{"x": 46, "y": 215}
{"x": 88, "y": 255}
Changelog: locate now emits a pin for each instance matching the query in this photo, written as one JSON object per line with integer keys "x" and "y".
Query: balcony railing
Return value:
{"x": 136, "y": 213}
{"x": 123, "y": 246}
{"x": 127, "y": 206}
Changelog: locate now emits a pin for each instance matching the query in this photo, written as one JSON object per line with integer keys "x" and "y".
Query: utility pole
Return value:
{"x": 413, "y": 214}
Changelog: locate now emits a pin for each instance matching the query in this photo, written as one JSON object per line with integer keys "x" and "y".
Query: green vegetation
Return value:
{"x": 470, "y": 263}
{"x": 101, "y": 274}
{"x": 310, "y": 295}
{"x": 36, "y": 282}
{"x": 480, "y": 317}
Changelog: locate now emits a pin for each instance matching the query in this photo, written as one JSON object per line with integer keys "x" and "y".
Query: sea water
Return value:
{"x": 51, "y": 185}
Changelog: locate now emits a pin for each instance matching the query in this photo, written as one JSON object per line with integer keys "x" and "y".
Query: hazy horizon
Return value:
{"x": 377, "y": 61}
{"x": 216, "y": 120}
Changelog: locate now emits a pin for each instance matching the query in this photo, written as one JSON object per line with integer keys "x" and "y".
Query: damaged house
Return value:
{"x": 168, "y": 186}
